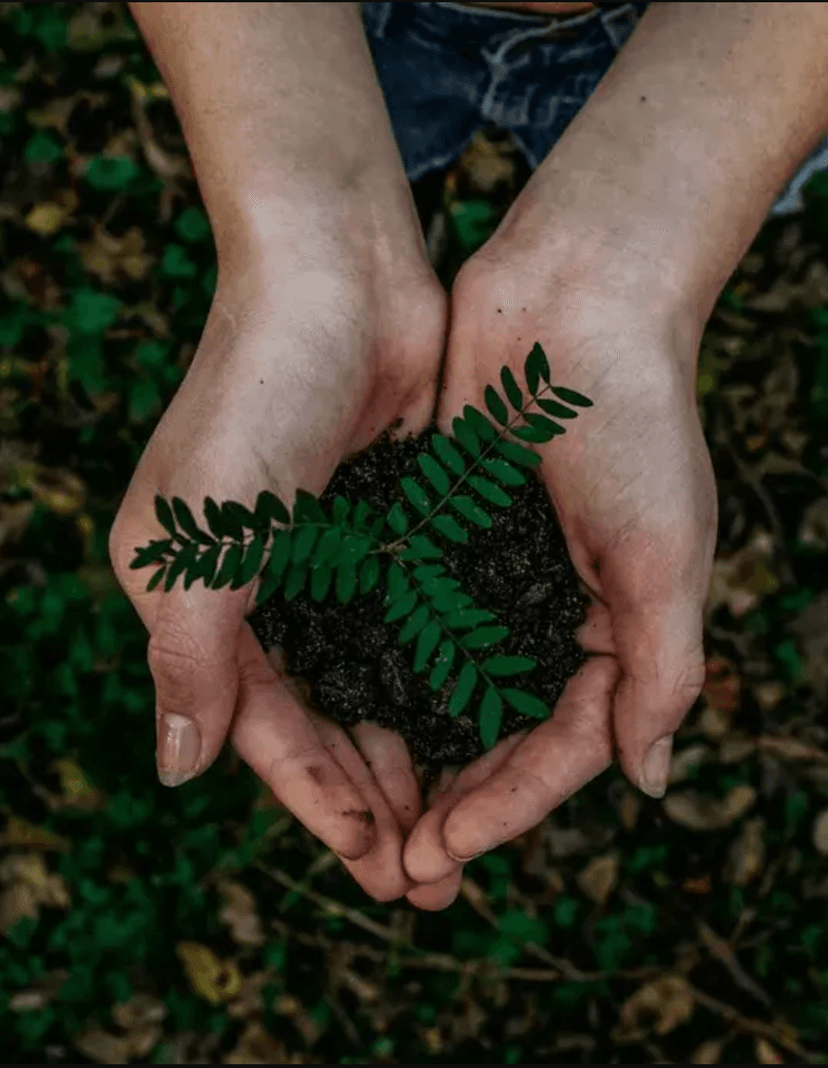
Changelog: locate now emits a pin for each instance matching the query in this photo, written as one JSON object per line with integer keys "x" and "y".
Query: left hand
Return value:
{"x": 634, "y": 489}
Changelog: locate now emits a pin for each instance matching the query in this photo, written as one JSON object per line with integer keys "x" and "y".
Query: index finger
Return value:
{"x": 274, "y": 735}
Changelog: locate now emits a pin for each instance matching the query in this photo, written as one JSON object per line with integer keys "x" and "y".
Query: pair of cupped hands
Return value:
{"x": 318, "y": 339}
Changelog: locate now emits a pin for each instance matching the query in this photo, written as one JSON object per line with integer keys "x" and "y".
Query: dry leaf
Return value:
{"x": 662, "y": 1005}
{"x": 256, "y": 1046}
{"x": 139, "y": 1010}
{"x": 685, "y": 759}
{"x": 103, "y": 1047}
{"x": 486, "y": 165}
{"x": 746, "y": 857}
{"x": 820, "y": 833}
{"x": 17, "y": 902}
{"x": 213, "y": 979}
{"x": 309, "y": 1029}
{"x": 629, "y": 810}
{"x": 598, "y": 879}
{"x": 733, "y": 750}
{"x": 20, "y": 832}
{"x": 709, "y": 1052}
{"x": 78, "y": 792}
{"x": 811, "y": 628}
{"x": 813, "y": 529}
{"x": 46, "y": 218}
{"x": 108, "y": 256}
{"x": 30, "y": 884}
{"x": 698, "y": 813}
{"x": 249, "y": 999}
{"x": 240, "y": 914}
{"x": 765, "y": 1052}
{"x": 743, "y": 579}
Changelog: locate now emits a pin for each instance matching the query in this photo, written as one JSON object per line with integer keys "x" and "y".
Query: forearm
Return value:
{"x": 679, "y": 154}
{"x": 282, "y": 114}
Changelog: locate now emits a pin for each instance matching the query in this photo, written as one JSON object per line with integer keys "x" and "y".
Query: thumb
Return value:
{"x": 192, "y": 655}
{"x": 660, "y": 651}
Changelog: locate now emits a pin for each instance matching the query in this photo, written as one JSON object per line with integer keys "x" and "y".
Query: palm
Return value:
{"x": 296, "y": 402}
{"x": 633, "y": 487}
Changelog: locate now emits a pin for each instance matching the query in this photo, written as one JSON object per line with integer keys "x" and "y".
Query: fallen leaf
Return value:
{"x": 46, "y": 218}
{"x": 661, "y": 1005}
{"x": 486, "y": 164}
{"x": 685, "y": 759}
{"x": 240, "y": 914}
{"x": 16, "y": 903}
{"x": 256, "y": 1046}
{"x": 103, "y": 1047}
{"x": 598, "y": 879}
{"x": 249, "y": 999}
{"x": 139, "y": 1010}
{"x": 288, "y": 1005}
{"x": 709, "y": 1052}
{"x": 108, "y": 256}
{"x": 746, "y": 856}
{"x": 19, "y": 832}
{"x": 733, "y": 750}
{"x": 813, "y": 528}
{"x": 701, "y": 884}
{"x": 741, "y": 581}
{"x": 78, "y": 792}
{"x": 765, "y": 1052}
{"x": 629, "y": 810}
{"x": 722, "y": 685}
{"x": 213, "y": 979}
{"x": 811, "y": 628}
{"x": 699, "y": 813}
{"x": 819, "y": 834}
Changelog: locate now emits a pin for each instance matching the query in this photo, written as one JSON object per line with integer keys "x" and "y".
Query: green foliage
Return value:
{"x": 341, "y": 553}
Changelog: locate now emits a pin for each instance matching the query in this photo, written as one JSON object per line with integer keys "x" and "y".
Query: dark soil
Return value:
{"x": 354, "y": 667}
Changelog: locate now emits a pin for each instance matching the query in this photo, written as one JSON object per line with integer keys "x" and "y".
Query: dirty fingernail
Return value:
{"x": 657, "y": 767}
{"x": 178, "y": 749}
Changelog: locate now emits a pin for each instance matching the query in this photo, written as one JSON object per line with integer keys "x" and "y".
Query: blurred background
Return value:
{"x": 204, "y": 924}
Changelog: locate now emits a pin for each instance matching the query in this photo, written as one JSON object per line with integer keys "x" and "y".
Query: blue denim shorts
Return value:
{"x": 448, "y": 70}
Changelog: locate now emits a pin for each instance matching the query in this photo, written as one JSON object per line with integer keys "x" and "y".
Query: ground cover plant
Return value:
{"x": 338, "y": 554}
{"x": 203, "y": 924}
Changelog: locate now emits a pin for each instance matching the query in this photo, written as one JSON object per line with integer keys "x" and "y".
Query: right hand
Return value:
{"x": 308, "y": 354}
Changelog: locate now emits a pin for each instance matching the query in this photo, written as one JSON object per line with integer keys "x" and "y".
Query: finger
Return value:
{"x": 550, "y": 764}
{"x": 424, "y": 856}
{"x": 387, "y": 755}
{"x": 273, "y": 733}
{"x": 595, "y": 633}
{"x": 661, "y": 654}
{"x": 432, "y": 897}
{"x": 192, "y": 655}
{"x": 379, "y": 872}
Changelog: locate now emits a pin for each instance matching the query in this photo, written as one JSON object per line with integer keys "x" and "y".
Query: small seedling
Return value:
{"x": 346, "y": 548}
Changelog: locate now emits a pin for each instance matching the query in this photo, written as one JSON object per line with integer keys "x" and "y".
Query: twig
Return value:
{"x": 750, "y": 478}
{"x": 720, "y": 949}
{"x": 774, "y": 1032}
{"x": 475, "y": 896}
{"x": 333, "y": 908}
{"x": 791, "y": 748}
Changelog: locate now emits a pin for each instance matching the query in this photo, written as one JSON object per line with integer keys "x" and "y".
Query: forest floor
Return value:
{"x": 205, "y": 924}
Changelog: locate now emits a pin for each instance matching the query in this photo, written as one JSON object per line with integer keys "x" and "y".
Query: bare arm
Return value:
{"x": 679, "y": 154}
{"x": 282, "y": 113}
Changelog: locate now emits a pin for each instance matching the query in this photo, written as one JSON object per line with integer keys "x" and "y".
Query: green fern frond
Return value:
{"x": 341, "y": 553}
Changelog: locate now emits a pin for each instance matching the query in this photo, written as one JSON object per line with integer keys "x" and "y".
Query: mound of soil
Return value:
{"x": 351, "y": 661}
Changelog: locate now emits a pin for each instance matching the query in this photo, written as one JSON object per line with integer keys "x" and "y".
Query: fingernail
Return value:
{"x": 465, "y": 860}
{"x": 178, "y": 750}
{"x": 657, "y": 767}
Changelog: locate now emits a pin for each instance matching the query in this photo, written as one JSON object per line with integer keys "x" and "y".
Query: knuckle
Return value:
{"x": 176, "y": 662}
